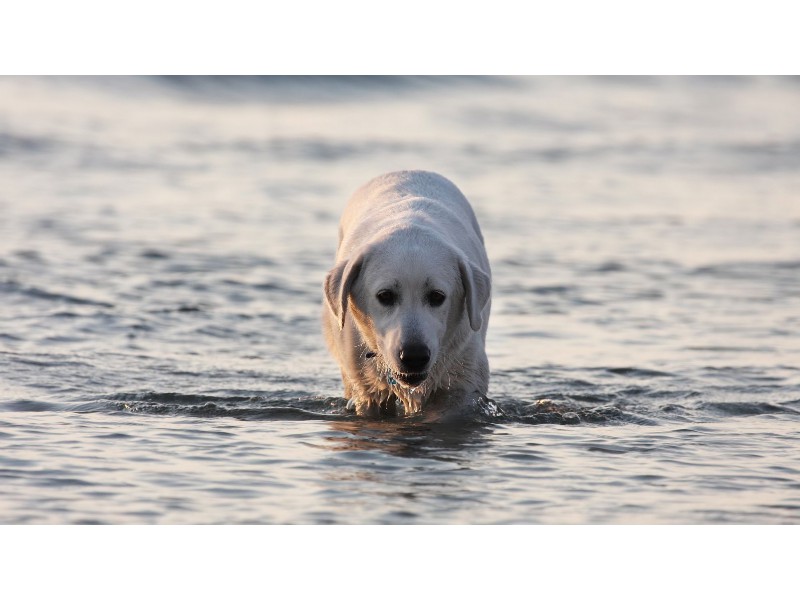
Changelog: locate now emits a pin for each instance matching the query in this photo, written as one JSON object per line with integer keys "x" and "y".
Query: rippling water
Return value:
{"x": 163, "y": 243}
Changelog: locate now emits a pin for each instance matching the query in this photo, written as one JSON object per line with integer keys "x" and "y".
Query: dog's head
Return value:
{"x": 407, "y": 293}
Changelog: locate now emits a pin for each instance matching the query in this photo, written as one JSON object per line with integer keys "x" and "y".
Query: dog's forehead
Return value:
{"x": 415, "y": 265}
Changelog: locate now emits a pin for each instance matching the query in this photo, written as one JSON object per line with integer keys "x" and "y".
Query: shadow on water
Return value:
{"x": 407, "y": 438}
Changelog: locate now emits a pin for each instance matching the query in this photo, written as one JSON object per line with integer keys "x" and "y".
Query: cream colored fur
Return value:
{"x": 411, "y": 232}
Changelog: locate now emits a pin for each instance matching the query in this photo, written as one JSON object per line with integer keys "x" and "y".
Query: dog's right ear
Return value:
{"x": 338, "y": 283}
{"x": 477, "y": 289}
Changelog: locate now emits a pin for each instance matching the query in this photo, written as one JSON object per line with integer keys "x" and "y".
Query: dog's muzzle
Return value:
{"x": 407, "y": 379}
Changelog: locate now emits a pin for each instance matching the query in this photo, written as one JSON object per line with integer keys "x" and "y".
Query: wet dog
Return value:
{"x": 408, "y": 300}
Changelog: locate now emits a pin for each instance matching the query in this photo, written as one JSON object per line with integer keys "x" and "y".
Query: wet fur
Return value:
{"x": 398, "y": 223}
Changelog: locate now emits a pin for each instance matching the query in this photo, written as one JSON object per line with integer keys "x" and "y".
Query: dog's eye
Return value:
{"x": 386, "y": 297}
{"x": 436, "y": 298}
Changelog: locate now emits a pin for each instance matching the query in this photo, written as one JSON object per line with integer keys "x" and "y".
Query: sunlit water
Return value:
{"x": 163, "y": 244}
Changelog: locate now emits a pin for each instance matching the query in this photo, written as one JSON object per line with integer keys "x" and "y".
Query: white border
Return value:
{"x": 411, "y": 37}
{"x": 398, "y": 562}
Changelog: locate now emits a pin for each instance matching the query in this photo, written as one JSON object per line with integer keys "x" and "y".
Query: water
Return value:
{"x": 163, "y": 243}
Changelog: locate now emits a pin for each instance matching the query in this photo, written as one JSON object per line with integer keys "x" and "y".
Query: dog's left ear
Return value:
{"x": 477, "y": 289}
{"x": 338, "y": 283}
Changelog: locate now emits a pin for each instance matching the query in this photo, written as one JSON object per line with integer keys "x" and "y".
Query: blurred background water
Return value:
{"x": 163, "y": 242}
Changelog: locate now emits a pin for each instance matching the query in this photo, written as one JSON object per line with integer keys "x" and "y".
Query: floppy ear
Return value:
{"x": 338, "y": 283}
{"x": 477, "y": 288}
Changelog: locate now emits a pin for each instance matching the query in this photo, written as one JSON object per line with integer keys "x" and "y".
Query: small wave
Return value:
{"x": 609, "y": 267}
{"x": 44, "y": 360}
{"x": 13, "y": 287}
{"x": 552, "y": 289}
{"x": 28, "y": 406}
{"x": 279, "y": 406}
{"x": 639, "y": 406}
{"x": 307, "y": 89}
{"x": 734, "y": 349}
{"x": 291, "y": 406}
{"x": 312, "y": 148}
{"x": 549, "y": 411}
{"x": 748, "y": 270}
{"x": 153, "y": 254}
{"x": 748, "y": 408}
{"x": 182, "y": 308}
{"x": 637, "y": 372}
{"x": 283, "y": 89}
{"x": 768, "y": 156}
{"x": 13, "y": 145}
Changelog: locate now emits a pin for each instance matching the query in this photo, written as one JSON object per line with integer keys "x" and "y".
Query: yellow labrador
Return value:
{"x": 408, "y": 300}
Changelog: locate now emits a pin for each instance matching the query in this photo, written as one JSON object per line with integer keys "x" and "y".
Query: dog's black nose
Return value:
{"x": 414, "y": 357}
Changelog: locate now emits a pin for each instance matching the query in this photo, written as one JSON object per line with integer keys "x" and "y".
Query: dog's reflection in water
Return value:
{"x": 409, "y": 439}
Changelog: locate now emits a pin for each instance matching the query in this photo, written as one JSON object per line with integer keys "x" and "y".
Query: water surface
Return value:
{"x": 163, "y": 243}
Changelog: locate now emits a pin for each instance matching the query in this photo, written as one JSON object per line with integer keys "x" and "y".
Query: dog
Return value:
{"x": 407, "y": 303}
